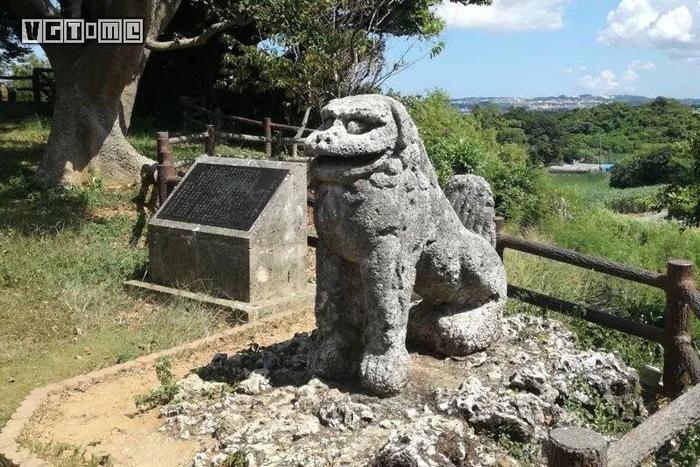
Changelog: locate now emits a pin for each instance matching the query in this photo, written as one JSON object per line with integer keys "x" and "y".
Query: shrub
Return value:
{"x": 458, "y": 143}
{"x": 635, "y": 200}
{"x": 683, "y": 195}
{"x": 652, "y": 165}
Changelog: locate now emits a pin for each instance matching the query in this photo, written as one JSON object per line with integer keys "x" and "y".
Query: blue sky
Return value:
{"x": 551, "y": 47}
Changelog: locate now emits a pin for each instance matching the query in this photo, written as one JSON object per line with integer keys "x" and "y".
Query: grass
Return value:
{"x": 594, "y": 190}
{"x": 63, "y": 258}
{"x": 64, "y": 454}
{"x": 164, "y": 393}
{"x": 585, "y": 223}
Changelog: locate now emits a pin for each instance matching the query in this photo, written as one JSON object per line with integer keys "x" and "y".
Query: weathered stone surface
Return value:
{"x": 452, "y": 413}
{"x": 472, "y": 199}
{"x": 386, "y": 230}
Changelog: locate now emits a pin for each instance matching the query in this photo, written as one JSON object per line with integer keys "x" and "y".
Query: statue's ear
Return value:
{"x": 405, "y": 127}
{"x": 402, "y": 119}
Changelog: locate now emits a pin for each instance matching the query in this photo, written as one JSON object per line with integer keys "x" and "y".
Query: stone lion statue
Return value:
{"x": 386, "y": 230}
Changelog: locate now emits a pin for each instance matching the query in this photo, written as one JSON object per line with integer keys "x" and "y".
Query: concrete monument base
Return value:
{"x": 242, "y": 312}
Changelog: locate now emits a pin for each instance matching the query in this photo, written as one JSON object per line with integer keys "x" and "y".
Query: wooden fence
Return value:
{"x": 272, "y": 133}
{"x": 579, "y": 446}
{"x": 42, "y": 88}
{"x": 681, "y": 362}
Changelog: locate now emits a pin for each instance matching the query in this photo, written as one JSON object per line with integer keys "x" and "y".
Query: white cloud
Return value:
{"x": 570, "y": 70}
{"x": 630, "y": 75}
{"x": 659, "y": 23}
{"x": 607, "y": 81}
{"x": 604, "y": 82}
{"x": 644, "y": 65}
{"x": 674, "y": 26}
{"x": 505, "y": 15}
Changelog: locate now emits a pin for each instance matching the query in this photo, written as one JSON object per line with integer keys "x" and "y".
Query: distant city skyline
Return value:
{"x": 534, "y": 48}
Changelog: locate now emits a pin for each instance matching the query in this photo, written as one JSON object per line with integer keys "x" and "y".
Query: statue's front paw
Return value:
{"x": 332, "y": 360}
{"x": 385, "y": 374}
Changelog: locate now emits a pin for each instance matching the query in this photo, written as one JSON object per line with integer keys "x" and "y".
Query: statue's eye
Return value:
{"x": 356, "y": 127}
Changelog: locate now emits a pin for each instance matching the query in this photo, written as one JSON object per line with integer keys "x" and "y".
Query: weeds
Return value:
{"x": 606, "y": 417}
{"x": 64, "y": 454}
{"x": 520, "y": 450}
{"x": 165, "y": 392}
{"x": 685, "y": 452}
{"x": 236, "y": 459}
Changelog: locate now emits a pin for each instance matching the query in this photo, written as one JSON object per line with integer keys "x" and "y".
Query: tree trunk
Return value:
{"x": 95, "y": 92}
{"x": 96, "y": 87}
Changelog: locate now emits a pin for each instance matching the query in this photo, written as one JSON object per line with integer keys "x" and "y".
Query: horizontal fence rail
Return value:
{"x": 272, "y": 136}
{"x": 248, "y": 121}
{"x": 590, "y": 314}
{"x": 583, "y": 261}
{"x": 680, "y": 357}
{"x": 692, "y": 298}
{"x": 273, "y": 142}
{"x": 42, "y": 88}
{"x": 644, "y": 440}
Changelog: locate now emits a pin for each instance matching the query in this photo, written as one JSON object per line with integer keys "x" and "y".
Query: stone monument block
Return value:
{"x": 235, "y": 228}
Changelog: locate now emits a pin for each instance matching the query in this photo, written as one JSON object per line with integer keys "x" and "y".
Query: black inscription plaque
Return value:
{"x": 228, "y": 196}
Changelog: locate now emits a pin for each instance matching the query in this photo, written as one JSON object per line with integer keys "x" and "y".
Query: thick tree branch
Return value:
{"x": 71, "y": 9}
{"x": 186, "y": 43}
{"x": 33, "y": 9}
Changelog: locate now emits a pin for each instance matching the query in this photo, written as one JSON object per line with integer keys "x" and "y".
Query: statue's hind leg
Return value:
{"x": 462, "y": 284}
{"x": 338, "y": 346}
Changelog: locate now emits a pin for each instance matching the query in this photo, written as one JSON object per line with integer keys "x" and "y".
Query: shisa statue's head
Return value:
{"x": 360, "y": 134}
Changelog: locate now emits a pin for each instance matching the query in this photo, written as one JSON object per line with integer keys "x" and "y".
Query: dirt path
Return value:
{"x": 102, "y": 420}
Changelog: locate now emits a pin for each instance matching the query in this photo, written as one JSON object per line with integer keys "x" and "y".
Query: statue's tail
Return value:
{"x": 472, "y": 199}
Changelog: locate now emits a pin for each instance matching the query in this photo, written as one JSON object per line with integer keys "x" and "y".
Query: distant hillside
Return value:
{"x": 555, "y": 103}
{"x": 597, "y": 134}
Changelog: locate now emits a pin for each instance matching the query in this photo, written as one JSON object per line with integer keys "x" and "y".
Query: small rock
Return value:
{"x": 533, "y": 380}
{"x": 495, "y": 375}
{"x": 200, "y": 460}
{"x": 507, "y": 461}
{"x": 256, "y": 383}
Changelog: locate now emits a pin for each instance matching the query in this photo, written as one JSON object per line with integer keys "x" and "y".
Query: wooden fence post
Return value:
{"x": 267, "y": 127}
{"x": 277, "y": 146}
{"x": 576, "y": 447}
{"x": 500, "y": 229}
{"x": 185, "y": 115}
{"x": 210, "y": 142}
{"x": 36, "y": 86}
{"x": 217, "y": 118}
{"x": 166, "y": 168}
{"x": 680, "y": 358}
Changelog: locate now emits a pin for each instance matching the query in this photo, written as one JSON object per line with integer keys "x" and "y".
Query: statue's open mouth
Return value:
{"x": 354, "y": 161}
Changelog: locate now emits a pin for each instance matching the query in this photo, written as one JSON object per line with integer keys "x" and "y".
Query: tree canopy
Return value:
{"x": 317, "y": 50}
{"x": 11, "y": 47}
